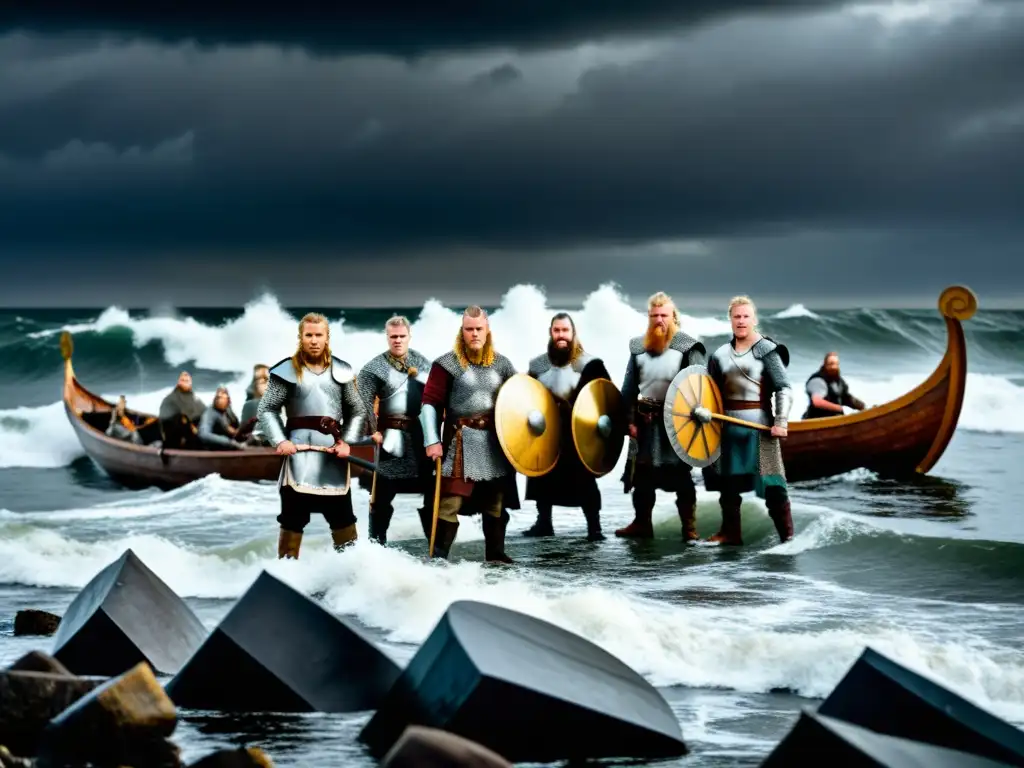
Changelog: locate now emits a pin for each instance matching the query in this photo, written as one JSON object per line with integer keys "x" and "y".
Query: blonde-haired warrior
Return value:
{"x": 476, "y": 476}
{"x": 654, "y": 360}
{"x": 750, "y": 371}
{"x": 325, "y": 410}
{"x": 393, "y": 382}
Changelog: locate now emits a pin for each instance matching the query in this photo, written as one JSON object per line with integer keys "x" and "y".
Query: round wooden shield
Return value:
{"x": 598, "y": 428}
{"x": 528, "y": 427}
{"x": 695, "y": 441}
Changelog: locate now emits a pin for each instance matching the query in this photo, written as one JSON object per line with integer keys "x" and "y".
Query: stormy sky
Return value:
{"x": 807, "y": 151}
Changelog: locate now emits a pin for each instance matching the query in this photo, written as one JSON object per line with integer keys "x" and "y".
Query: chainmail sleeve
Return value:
{"x": 367, "y": 385}
{"x": 782, "y": 392}
{"x": 697, "y": 355}
{"x": 268, "y": 414}
{"x": 354, "y": 412}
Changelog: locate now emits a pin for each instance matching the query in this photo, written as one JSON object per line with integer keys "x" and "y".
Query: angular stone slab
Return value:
{"x": 883, "y": 696}
{"x": 243, "y": 757}
{"x": 820, "y": 740}
{"x": 124, "y": 616}
{"x": 526, "y": 689}
{"x": 421, "y": 747}
{"x": 37, "y": 661}
{"x": 279, "y": 651}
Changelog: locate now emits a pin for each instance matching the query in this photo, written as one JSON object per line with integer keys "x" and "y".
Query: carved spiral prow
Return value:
{"x": 66, "y": 345}
{"x": 958, "y": 302}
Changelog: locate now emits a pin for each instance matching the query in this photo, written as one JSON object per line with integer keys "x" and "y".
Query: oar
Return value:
{"x": 704, "y": 416}
{"x": 437, "y": 504}
{"x": 326, "y": 449}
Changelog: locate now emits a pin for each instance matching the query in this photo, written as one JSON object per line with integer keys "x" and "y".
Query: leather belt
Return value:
{"x": 649, "y": 408}
{"x": 396, "y": 422}
{"x": 323, "y": 424}
{"x": 742, "y": 405}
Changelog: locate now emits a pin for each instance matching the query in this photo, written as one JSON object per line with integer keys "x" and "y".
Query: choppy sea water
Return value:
{"x": 927, "y": 572}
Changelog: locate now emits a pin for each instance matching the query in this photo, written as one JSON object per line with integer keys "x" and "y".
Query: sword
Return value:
{"x": 370, "y": 465}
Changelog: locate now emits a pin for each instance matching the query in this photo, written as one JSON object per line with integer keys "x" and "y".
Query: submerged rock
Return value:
{"x": 126, "y": 615}
{"x": 528, "y": 690}
{"x": 278, "y": 651}
{"x": 33, "y": 622}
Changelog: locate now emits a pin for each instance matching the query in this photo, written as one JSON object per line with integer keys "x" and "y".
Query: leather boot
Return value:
{"x": 782, "y": 516}
{"x": 342, "y": 537}
{"x": 494, "y": 538}
{"x": 543, "y": 525}
{"x": 380, "y": 521}
{"x": 288, "y": 543}
{"x": 593, "y": 518}
{"x": 730, "y": 533}
{"x": 444, "y": 539}
{"x": 426, "y": 520}
{"x": 640, "y": 528}
{"x": 688, "y": 517}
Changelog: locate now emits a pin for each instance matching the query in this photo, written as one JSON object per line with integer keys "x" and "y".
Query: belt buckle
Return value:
{"x": 325, "y": 425}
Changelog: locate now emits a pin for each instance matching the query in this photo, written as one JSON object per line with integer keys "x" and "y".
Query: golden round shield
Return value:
{"x": 696, "y": 441}
{"x": 598, "y": 426}
{"x": 528, "y": 427}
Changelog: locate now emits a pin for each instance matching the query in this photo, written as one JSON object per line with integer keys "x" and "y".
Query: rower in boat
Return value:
{"x": 179, "y": 415}
{"x": 828, "y": 391}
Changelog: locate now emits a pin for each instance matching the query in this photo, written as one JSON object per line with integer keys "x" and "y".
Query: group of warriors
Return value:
{"x": 422, "y": 416}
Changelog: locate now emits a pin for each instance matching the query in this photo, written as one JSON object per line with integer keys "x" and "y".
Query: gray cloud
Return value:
{"x": 399, "y": 27}
{"x": 903, "y": 144}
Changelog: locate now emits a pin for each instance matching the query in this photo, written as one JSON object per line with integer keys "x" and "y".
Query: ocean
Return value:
{"x": 929, "y": 572}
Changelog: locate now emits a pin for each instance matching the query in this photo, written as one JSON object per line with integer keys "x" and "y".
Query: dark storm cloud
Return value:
{"x": 729, "y": 143}
{"x": 837, "y": 122}
{"x": 403, "y": 27}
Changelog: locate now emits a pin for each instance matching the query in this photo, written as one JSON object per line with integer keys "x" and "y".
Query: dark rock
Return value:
{"x": 124, "y": 616}
{"x": 883, "y": 696}
{"x": 29, "y": 700}
{"x": 127, "y": 721}
{"x": 820, "y": 740}
{"x": 32, "y": 622}
{"x": 421, "y": 747}
{"x": 278, "y": 651}
{"x": 528, "y": 690}
{"x": 37, "y": 661}
{"x": 248, "y": 757}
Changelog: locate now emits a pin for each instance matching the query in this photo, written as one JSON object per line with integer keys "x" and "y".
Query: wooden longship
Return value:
{"x": 150, "y": 464}
{"x": 901, "y": 438}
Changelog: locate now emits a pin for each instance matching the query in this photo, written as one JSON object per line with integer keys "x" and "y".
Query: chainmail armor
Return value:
{"x": 380, "y": 378}
{"x": 474, "y": 391}
{"x": 652, "y": 444}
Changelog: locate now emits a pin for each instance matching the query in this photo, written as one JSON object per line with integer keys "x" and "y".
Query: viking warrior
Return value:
{"x": 476, "y": 476}
{"x": 391, "y": 385}
{"x": 750, "y": 371}
{"x": 565, "y": 369}
{"x": 654, "y": 360}
{"x": 828, "y": 392}
{"x": 324, "y": 410}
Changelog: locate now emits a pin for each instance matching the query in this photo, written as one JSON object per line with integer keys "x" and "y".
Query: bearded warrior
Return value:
{"x": 476, "y": 476}
{"x": 565, "y": 369}
{"x": 393, "y": 381}
{"x": 654, "y": 360}
{"x": 324, "y": 410}
{"x": 750, "y": 371}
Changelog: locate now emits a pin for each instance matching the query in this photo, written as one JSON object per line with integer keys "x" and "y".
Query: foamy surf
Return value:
{"x": 746, "y": 648}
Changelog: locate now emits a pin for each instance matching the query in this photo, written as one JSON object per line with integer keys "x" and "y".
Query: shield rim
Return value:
{"x": 619, "y": 435}
{"x": 668, "y": 417}
{"x": 556, "y": 426}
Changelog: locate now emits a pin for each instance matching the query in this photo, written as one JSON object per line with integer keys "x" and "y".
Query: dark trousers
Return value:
{"x": 647, "y": 480}
{"x": 383, "y": 506}
{"x": 297, "y": 507}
